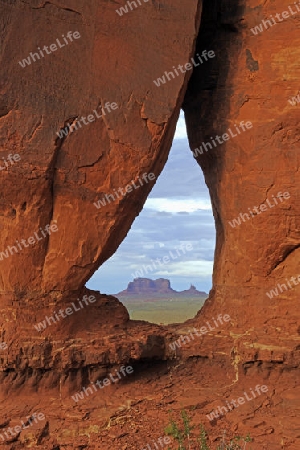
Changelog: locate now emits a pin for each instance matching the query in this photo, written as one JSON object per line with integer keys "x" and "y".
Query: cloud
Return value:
{"x": 178, "y": 211}
{"x": 178, "y": 205}
{"x": 192, "y": 269}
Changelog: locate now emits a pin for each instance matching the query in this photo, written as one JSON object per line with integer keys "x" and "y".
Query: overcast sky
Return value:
{"x": 176, "y": 213}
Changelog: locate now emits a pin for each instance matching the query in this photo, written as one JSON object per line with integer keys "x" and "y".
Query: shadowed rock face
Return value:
{"x": 251, "y": 79}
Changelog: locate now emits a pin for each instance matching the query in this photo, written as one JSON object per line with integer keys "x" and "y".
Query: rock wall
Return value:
{"x": 73, "y": 183}
{"x": 106, "y": 71}
{"x": 88, "y": 133}
{"x": 252, "y": 80}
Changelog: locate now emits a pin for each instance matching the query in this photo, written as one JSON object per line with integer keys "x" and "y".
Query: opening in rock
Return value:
{"x": 162, "y": 271}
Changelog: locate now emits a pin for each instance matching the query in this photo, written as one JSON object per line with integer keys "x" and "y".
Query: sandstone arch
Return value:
{"x": 60, "y": 180}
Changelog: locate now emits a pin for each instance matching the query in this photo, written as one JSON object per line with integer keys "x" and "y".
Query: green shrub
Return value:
{"x": 183, "y": 435}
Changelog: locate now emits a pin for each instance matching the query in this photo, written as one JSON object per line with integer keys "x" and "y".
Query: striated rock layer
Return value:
{"x": 51, "y": 186}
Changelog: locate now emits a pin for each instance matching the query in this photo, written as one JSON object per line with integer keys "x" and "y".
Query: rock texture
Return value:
{"x": 251, "y": 79}
{"x": 57, "y": 181}
{"x": 58, "y": 178}
{"x": 61, "y": 179}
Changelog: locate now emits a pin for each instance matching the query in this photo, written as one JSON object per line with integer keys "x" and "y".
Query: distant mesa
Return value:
{"x": 161, "y": 286}
{"x": 147, "y": 286}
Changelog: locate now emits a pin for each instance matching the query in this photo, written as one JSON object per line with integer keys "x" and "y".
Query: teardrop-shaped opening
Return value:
{"x": 162, "y": 271}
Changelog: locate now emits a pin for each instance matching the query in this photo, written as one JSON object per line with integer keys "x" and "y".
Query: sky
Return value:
{"x": 177, "y": 218}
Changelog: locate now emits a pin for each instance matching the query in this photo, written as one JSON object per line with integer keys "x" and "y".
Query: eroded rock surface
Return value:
{"x": 55, "y": 231}
{"x": 115, "y": 61}
{"x": 57, "y": 180}
{"x": 251, "y": 80}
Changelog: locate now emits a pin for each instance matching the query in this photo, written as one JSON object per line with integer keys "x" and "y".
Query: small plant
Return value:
{"x": 234, "y": 443}
{"x": 202, "y": 439}
{"x": 187, "y": 427}
{"x": 182, "y": 434}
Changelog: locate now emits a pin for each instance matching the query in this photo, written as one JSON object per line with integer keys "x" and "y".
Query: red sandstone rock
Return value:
{"x": 62, "y": 178}
{"x": 251, "y": 79}
{"x": 57, "y": 181}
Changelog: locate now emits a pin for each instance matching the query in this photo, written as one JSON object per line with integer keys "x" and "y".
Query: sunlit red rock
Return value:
{"x": 57, "y": 181}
